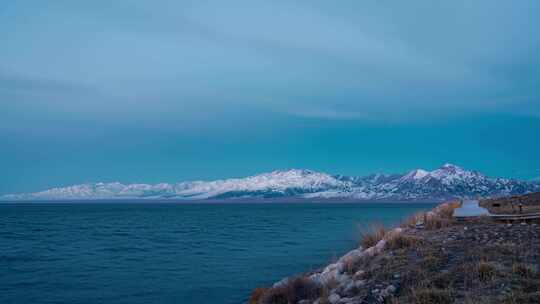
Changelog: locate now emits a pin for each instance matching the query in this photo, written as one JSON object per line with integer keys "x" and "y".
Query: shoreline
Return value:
{"x": 223, "y": 201}
{"x": 477, "y": 260}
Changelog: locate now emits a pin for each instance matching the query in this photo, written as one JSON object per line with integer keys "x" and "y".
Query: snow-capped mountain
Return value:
{"x": 448, "y": 181}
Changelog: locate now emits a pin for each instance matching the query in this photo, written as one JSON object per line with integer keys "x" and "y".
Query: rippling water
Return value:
{"x": 170, "y": 253}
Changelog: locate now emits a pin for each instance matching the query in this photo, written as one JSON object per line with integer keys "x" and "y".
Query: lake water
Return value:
{"x": 171, "y": 253}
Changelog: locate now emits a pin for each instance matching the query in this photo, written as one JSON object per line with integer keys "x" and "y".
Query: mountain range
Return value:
{"x": 446, "y": 182}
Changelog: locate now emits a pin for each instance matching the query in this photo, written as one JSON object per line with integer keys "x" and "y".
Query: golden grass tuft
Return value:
{"x": 299, "y": 288}
{"x": 257, "y": 294}
{"x": 486, "y": 271}
{"x": 401, "y": 241}
{"x": 372, "y": 235}
{"x": 440, "y": 217}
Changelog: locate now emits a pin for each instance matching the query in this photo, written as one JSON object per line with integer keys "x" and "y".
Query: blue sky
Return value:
{"x": 151, "y": 91}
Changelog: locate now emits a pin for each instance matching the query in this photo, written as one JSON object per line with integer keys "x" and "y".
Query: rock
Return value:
{"x": 359, "y": 274}
{"x": 329, "y": 273}
{"x": 346, "y": 300}
{"x": 360, "y": 283}
{"x": 281, "y": 283}
{"x": 375, "y": 291}
{"x": 349, "y": 287}
{"x": 334, "y": 298}
{"x": 343, "y": 279}
{"x": 380, "y": 246}
{"x": 397, "y": 275}
{"x": 323, "y": 278}
{"x": 351, "y": 255}
{"x": 353, "y": 300}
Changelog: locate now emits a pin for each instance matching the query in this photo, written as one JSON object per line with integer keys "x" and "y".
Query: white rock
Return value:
{"x": 359, "y": 274}
{"x": 380, "y": 246}
{"x": 346, "y": 300}
{"x": 390, "y": 289}
{"x": 334, "y": 298}
{"x": 343, "y": 279}
{"x": 360, "y": 283}
{"x": 353, "y": 254}
{"x": 281, "y": 283}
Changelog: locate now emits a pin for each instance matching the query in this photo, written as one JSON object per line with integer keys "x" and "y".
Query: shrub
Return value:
{"x": 277, "y": 295}
{"x": 522, "y": 270}
{"x": 440, "y": 217}
{"x": 294, "y": 290}
{"x": 257, "y": 294}
{"x": 486, "y": 271}
{"x": 447, "y": 210}
{"x": 401, "y": 241}
{"x": 372, "y": 235}
{"x": 436, "y": 222}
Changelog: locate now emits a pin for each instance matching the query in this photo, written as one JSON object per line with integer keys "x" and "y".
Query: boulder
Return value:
{"x": 334, "y": 298}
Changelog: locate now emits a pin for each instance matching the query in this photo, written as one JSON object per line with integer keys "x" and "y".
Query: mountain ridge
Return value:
{"x": 447, "y": 182}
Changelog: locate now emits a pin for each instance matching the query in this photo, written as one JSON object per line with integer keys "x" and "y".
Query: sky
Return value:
{"x": 168, "y": 91}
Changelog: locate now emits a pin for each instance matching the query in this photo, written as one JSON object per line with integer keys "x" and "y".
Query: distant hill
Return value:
{"x": 446, "y": 182}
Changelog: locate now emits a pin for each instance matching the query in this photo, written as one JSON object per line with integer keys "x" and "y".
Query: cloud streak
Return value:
{"x": 384, "y": 61}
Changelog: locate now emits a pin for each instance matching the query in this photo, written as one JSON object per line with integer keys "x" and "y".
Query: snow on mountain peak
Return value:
{"x": 448, "y": 181}
{"x": 415, "y": 174}
{"x": 450, "y": 166}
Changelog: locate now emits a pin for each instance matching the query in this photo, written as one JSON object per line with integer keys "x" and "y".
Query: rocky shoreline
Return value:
{"x": 430, "y": 258}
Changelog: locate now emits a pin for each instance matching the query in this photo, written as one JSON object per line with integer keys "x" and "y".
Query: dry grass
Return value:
{"x": 486, "y": 271}
{"x": 411, "y": 221}
{"x": 522, "y": 270}
{"x": 440, "y": 217}
{"x": 325, "y": 293}
{"x": 257, "y": 294}
{"x": 372, "y": 235}
{"x": 294, "y": 290}
{"x": 435, "y": 223}
{"x": 431, "y": 296}
{"x": 350, "y": 266}
{"x": 401, "y": 241}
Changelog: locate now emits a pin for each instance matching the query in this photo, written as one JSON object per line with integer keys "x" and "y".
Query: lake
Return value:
{"x": 172, "y": 253}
